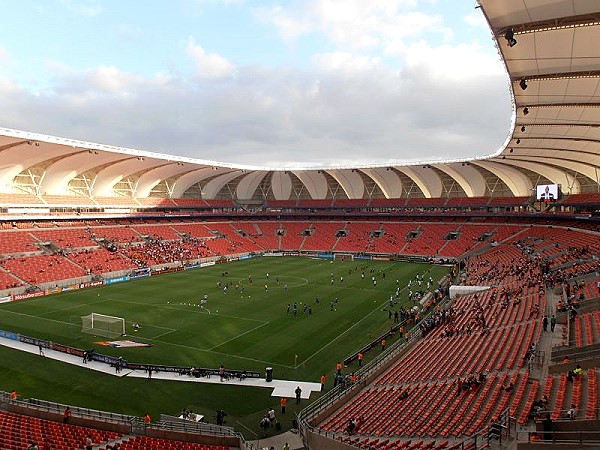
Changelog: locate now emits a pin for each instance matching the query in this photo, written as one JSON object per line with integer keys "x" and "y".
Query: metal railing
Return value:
{"x": 560, "y": 437}
{"x": 86, "y": 413}
{"x": 575, "y": 354}
{"x": 172, "y": 423}
{"x": 362, "y": 376}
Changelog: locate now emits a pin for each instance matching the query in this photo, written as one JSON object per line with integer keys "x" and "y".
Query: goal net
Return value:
{"x": 102, "y": 325}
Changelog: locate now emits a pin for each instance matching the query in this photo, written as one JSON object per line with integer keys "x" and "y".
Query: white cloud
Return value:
{"x": 475, "y": 19}
{"x": 347, "y": 108}
{"x": 460, "y": 62}
{"x": 355, "y": 24}
{"x": 290, "y": 26}
{"x": 88, "y": 8}
{"x": 351, "y": 104}
{"x": 110, "y": 79}
{"x": 208, "y": 65}
{"x": 345, "y": 62}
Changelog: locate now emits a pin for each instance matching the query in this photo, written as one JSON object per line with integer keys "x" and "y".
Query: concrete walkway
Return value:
{"x": 280, "y": 388}
{"x": 277, "y": 442}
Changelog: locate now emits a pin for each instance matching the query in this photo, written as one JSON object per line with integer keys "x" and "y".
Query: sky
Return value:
{"x": 270, "y": 83}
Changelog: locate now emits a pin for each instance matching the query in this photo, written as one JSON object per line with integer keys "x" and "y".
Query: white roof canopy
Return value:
{"x": 552, "y": 56}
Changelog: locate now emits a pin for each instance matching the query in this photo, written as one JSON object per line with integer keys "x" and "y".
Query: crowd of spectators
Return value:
{"x": 155, "y": 251}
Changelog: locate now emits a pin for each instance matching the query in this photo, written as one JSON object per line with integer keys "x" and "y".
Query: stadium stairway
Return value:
{"x": 9, "y": 276}
{"x": 293, "y": 439}
{"x": 111, "y": 443}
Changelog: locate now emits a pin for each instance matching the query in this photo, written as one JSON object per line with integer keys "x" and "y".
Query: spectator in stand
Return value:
{"x": 66, "y": 415}
{"x": 571, "y": 412}
{"x": 351, "y": 426}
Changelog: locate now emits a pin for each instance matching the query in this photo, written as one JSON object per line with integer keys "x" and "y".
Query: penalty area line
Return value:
{"x": 173, "y": 330}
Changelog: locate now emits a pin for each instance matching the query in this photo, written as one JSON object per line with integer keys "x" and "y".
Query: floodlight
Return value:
{"x": 510, "y": 37}
{"x": 523, "y": 83}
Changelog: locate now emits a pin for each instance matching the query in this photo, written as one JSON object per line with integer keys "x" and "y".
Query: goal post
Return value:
{"x": 103, "y": 325}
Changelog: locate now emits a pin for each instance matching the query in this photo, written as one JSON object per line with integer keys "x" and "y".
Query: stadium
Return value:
{"x": 149, "y": 301}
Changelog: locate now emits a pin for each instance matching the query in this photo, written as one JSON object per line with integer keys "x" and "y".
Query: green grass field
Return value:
{"x": 248, "y": 331}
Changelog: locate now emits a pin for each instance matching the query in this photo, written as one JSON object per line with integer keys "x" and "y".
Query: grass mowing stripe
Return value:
{"x": 376, "y": 309}
{"x": 187, "y": 310}
{"x": 72, "y": 307}
{"x": 248, "y": 333}
{"x": 216, "y": 353}
{"x": 37, "y": 317}
{"x": 239, "y": 336}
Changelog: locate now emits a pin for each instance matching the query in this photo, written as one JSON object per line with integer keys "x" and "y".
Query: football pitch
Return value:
{"x": 244, "y": 324}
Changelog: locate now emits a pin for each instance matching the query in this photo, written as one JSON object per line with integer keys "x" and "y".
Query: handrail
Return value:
{"x": 362, "y": 374}
{"x": 76, "y": 411}
{"x": 187, "y": 426}
{"x": 556, "y": 437}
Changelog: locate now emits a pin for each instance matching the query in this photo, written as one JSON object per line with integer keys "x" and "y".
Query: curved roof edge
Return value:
{"x": 552, "y": 64}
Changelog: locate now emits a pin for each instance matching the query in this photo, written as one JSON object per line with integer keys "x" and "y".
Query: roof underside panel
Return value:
{"x": 281, "y": 185}
{"x": 248, "y": 184}
{"x": 387, "y": 180}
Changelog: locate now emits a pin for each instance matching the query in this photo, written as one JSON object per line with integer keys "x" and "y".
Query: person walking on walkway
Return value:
{"x": 298, "y": 393}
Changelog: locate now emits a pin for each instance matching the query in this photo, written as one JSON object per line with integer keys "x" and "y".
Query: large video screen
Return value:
{"x": 547, "y": 192}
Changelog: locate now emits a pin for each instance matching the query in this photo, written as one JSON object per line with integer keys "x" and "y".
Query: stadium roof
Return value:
{"x": 552, "y": 58}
